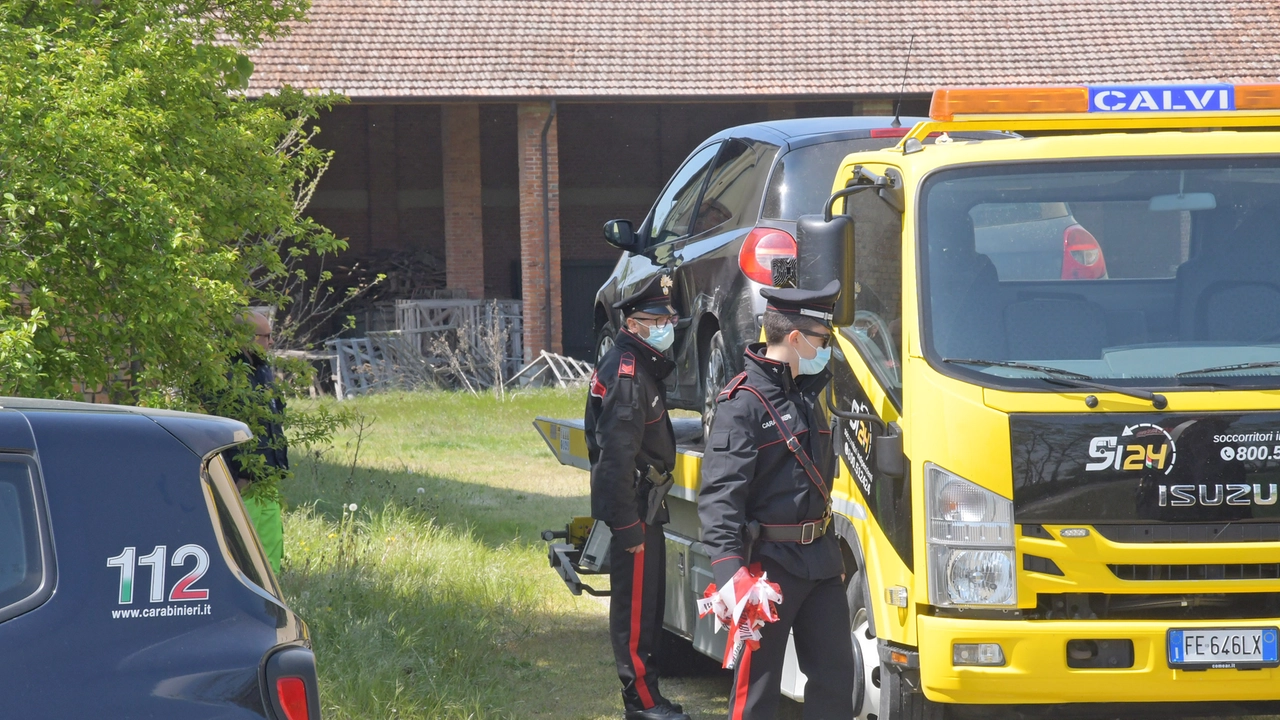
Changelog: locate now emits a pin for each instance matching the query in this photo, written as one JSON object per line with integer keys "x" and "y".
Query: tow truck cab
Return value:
{"x": 1057, "y": 405}
{"x": 1087, "y": 509}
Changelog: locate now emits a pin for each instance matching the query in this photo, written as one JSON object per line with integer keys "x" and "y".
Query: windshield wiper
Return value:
{"x": 1067, "y": 377}
{"x": 1229, "y": 368}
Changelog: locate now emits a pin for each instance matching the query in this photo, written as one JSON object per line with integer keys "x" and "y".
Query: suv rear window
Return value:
{"x": 22, "y": 564}
{"x": 239, "y": 540}
{"x": 801, "y": 182}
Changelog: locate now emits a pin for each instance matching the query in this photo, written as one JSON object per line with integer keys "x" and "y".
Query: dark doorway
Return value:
{"x": 580, "y": 280}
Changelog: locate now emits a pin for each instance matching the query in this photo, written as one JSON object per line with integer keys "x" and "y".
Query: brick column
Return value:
{"x": 535, "y": 275}
{"x": 463, "y": 214}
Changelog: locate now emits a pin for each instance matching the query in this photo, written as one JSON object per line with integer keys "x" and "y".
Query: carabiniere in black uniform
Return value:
{"x": 766, "y": 486}
{"x": 632, "y": 449}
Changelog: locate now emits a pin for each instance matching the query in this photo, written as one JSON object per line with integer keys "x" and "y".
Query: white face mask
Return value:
{"x": 815, "y": 364}
{"x": 661, "y": 338}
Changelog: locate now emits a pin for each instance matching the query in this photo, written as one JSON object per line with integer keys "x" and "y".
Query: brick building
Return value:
{"x": 442, "y": 150}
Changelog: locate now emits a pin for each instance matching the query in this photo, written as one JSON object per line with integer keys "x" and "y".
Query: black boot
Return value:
{"x": 673, "y": 705}
{"x": 657, "y": 712}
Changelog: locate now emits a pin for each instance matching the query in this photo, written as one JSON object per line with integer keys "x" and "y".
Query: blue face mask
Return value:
{"x": 661, "y": 338}
{"x": 817, "y": 363}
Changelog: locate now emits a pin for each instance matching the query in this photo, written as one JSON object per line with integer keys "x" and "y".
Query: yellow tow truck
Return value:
{"x": 1057, "y": 405}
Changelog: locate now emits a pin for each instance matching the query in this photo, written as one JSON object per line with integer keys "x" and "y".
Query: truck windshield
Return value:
{"x": 1142, "y": 273}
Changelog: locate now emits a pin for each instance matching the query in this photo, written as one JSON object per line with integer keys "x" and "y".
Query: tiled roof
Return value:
{"x": 700, "y": 48}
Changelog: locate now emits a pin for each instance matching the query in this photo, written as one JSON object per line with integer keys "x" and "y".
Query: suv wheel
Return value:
{"x": 715, "y": 375}
{"x": 604, "y": 341}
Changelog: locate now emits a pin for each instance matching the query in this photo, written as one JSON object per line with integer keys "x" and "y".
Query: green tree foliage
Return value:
{"x": 144, "y": 201}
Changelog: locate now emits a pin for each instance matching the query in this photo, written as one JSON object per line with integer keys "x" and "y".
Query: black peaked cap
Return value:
{"x": 654, "y": 297}
{"x": 816, "y": 304}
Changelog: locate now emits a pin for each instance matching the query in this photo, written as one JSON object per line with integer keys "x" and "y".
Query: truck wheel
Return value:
{"x": 715, "y": 375}
{"x": 884, "y": 695}
{"x": 604, "y": 341}
{"x": 866, "y": 658}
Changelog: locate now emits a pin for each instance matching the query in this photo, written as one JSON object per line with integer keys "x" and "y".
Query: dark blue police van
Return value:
{"x": 132, "y": 584}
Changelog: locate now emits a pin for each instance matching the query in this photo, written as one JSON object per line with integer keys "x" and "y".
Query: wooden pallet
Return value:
{"x": 407, "y": 357}
{"x": 357, "y": 367}
{"x": 423, "y": 322}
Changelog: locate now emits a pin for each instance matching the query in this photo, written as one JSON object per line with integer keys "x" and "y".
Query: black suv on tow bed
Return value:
{"x": 728, "y": 211}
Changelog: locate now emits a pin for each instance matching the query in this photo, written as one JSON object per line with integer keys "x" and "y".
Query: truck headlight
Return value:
{"x": 970, "y": 542}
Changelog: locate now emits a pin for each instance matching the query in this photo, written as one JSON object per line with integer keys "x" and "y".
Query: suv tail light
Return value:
{"x": 292, "y": 691}
{"x": 1081, "y": 255}
{"x": 762, "y": 246}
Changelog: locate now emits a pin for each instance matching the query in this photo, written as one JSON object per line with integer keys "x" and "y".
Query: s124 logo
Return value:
{"x": 1140, "y": 447}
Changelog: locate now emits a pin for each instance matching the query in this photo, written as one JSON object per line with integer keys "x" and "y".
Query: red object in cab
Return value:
{"x": 1082, "y": 255}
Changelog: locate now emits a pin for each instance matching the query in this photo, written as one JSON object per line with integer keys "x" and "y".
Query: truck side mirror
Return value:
{"x": 887, "y": 451}
{"x": 824, "y": 252}
{"x": 621, "y": 235}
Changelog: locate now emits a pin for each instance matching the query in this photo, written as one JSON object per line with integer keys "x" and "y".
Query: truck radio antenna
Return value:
{"x": 906, "y": 69}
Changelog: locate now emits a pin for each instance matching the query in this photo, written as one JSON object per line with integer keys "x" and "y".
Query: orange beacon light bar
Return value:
{"x": 1215, "y": 98}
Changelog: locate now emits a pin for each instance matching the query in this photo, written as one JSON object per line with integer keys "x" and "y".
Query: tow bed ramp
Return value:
{"x": 567, "y": 440}
{"x": 582, "y": 546}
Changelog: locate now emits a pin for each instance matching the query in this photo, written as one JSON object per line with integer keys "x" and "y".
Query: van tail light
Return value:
{"x": 292, "y": 693}
{"x": 1081, "y": 255}
{"x": 762, "y": 246}
{"x": 292, "y": 690}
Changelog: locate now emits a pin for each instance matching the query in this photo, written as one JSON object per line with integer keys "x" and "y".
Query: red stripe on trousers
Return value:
{"x": 637, "y": 594}
{"x": 744, "y": 680}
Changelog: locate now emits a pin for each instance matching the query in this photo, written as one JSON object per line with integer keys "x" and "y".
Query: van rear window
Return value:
{"x": 21, "y": 564}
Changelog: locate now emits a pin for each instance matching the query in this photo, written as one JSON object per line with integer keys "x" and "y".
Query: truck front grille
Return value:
{"x": 1191, "y": 532}
{"x": 1204, "y": 606}
{"x": 1242, "y": 571}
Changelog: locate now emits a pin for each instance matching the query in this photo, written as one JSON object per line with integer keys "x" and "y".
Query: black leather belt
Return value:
{"x": 804, "y": 533}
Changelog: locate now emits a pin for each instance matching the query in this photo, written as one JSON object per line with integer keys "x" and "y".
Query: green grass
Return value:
{"x": 478, "y": 461}
{"x": 433, "y": 599}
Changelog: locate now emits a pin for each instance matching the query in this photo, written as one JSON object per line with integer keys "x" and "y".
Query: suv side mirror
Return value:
{"x": 621, "y": 235}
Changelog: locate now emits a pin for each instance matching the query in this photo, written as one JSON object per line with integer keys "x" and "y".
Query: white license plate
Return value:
{"x": 1203, "y": 649}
